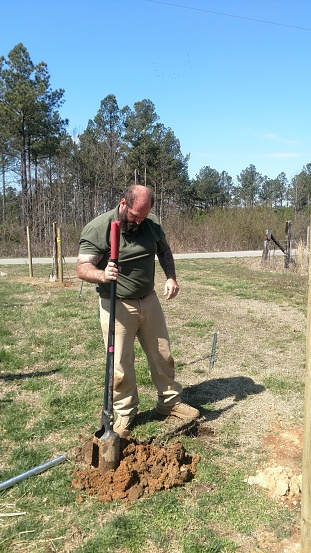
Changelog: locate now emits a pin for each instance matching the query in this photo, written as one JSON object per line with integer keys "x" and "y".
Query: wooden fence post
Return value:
{"x": 306, "y": 452}
{"x": 59, "y": 254}
{"x": 55, "y": 261}
{"x": 266, "y": 246}
{"x": 288, "y": 243}
{"x": 29, "y": 253}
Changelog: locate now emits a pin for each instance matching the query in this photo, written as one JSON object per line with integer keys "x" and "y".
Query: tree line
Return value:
{"x": 48, "y": 175}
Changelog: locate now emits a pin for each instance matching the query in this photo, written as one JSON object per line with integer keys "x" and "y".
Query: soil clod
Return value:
{"x": 143, "y": 470}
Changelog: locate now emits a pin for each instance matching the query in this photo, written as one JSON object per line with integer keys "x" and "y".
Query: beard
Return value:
{"x": 128, "y": 226}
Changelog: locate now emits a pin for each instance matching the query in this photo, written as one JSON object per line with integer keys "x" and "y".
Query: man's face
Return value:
{"x": 126, "y": 224}
{"x": 132, "y": 217}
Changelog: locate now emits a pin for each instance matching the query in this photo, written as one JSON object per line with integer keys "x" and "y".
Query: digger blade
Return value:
{"x": 106, "y": 451}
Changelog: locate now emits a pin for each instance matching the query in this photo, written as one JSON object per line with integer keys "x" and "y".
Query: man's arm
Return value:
{"x": 167, "y": 263}
{"x": 87, "y": 270}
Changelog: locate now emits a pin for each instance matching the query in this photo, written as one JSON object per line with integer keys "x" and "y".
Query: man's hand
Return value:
{"x": 171, "y": 289}
{"x": 111, "y": 271}
{"x": 87, "y": 269}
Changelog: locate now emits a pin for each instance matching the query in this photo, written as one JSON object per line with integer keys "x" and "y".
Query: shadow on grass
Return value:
{"x": 217, "y": 389}
{"x": 210, "y": 391}
{"x": 22, "y": 376}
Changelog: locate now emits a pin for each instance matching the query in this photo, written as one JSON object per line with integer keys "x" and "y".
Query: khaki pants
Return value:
{"x": 144, "y": 319}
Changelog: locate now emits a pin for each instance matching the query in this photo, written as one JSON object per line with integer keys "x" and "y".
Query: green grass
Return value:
{"x": 233, "y": 277}
{"x": 52, "y": 362}
{"x": 281, "y": 385}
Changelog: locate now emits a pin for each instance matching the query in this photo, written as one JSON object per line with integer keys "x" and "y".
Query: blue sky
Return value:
{"x": 231, "y": 78}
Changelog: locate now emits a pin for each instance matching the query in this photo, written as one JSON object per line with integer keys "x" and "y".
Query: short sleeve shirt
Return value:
{"x": 136, "y": 256}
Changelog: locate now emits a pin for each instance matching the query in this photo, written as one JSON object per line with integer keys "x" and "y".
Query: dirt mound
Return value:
{"x": 281, "y": 475}
{"x": 281, "y": 482}
{"x": 143, "y": 470}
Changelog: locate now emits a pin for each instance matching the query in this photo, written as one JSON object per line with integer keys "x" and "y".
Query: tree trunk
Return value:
{"x": 24, "y": 178}
{"x": 3, "y": 191}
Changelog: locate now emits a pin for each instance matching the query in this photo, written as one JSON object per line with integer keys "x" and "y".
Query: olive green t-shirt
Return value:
{"x": 136, "y": 257}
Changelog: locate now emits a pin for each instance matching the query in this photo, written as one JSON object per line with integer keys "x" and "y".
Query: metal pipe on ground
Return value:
{"x": 32, "y": 472}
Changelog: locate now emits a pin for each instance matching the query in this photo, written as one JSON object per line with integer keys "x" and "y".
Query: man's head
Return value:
{"x": 135, "y": 206}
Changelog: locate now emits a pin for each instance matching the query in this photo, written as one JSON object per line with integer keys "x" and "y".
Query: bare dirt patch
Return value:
{"x": 267, "y": 542}
{"x": 281, "y": 477}
{"x": 281, "y": 473}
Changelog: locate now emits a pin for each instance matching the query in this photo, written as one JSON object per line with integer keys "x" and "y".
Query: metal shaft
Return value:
{"x": 212, "y": 356}
{"x": 32, "y": 472}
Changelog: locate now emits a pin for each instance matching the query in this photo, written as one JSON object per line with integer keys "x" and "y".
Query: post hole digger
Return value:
{"x": 106, "y": 442}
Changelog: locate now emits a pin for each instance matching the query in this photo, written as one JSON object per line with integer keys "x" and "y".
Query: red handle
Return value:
{"x": 115, "y": 239}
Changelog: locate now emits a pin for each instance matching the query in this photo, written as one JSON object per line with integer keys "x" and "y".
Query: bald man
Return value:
{"x": 138, "y": 310}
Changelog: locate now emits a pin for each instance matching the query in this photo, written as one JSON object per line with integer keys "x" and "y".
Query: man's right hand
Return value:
{"x": 87, "y": 270}
{"x": 111, "y": 271}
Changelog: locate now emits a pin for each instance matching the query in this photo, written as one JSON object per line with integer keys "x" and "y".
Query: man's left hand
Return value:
{"x": 171, "y": 289}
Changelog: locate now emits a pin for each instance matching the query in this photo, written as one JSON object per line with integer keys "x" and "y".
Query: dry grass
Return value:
{"x": 256, "y": 338}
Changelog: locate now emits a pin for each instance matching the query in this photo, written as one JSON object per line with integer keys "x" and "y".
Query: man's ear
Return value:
{"x": 122, "y": 203}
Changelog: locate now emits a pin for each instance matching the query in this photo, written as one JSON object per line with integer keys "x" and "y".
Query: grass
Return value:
{"x": 51, "y": 380}
{"x": 234, "y": 277}
{"x": 280, "y": 385}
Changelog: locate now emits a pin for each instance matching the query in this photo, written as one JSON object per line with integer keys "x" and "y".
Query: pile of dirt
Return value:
{"x": 143, "y": 470}
{"x": 281, "y": 483}
{"x": 281, "y": 475}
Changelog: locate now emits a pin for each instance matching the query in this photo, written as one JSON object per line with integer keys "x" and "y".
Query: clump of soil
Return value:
{"x": 282, "y": 474}
{"x": 143, "y": 470}
{"x": 281, "y": 482}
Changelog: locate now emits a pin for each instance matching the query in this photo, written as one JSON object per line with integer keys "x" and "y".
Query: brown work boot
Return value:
{"x": 123, "y": 424}
{"x": 180, "y": 410}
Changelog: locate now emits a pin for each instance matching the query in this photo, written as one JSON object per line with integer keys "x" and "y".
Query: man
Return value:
{"x": 138, "y": 310}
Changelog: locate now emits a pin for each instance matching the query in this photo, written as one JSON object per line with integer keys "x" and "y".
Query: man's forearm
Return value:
{"x": 86, "y": 270}
{"x": 167, "y": 263}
